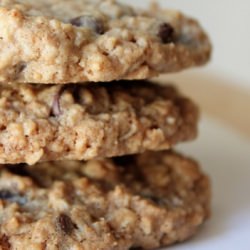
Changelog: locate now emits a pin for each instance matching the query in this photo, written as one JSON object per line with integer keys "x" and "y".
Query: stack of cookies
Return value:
{"x": 85, "y": 140}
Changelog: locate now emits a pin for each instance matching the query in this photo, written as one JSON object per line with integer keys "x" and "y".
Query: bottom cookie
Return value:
{"x": 134, "y": 202}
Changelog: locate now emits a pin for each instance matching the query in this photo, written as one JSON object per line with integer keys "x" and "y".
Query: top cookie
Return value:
{"x": 61, "y": 41}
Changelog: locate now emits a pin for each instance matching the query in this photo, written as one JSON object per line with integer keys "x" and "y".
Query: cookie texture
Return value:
{"x": 61, "y": 41}
{"x": 132, "y": 202}
{"x": 79, "y": 122}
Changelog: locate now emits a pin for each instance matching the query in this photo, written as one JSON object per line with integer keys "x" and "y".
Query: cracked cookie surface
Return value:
{"x": 61, "y": 41}
{"x": 143, "y": 201}
{"x": 79, "y": 122}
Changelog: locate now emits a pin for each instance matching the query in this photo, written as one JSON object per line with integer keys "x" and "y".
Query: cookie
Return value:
{"x": 144, "y": 201}
{"x": 79, "y": 122}
{"x": 61, "y": 41}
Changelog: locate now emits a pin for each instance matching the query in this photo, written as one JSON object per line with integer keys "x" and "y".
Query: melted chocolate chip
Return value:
{"x": 166, "y": 33}
{"x": 4, "y": 242}
{"x": 12, "y": 197}
{"x": 65, "y": 223}
{"x": 89, "y": 22}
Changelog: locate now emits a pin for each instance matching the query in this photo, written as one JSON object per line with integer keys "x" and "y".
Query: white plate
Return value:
{"x": 225, "y": 156}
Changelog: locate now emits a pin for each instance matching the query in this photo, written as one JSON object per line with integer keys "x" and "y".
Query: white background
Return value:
{"x": 228, "y": 23}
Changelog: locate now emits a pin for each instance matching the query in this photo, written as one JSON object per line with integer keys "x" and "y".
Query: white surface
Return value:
{"x": 228, "y": 24}
{"x": 225, "y": 156}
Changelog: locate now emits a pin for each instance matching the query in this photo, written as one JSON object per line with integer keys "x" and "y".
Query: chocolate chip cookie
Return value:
{"x": 61, "y": 41}
{"x": 133, "y": 202}
{"x": 82, "y": 122}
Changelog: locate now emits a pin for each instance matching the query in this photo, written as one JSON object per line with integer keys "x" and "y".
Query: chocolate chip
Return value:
{"x": 4, "y": 242}
{"x": 89, "y": 22}
{"x": 12, "y": 197}
{"x": 166, "y": 33}
{"x": 65, "y": 223}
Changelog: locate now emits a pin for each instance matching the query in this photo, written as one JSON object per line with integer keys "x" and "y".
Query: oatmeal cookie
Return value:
{"x": 82, "y": 122}
{"x": 61, "y": 41}
{"x": 133, "y": 202}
